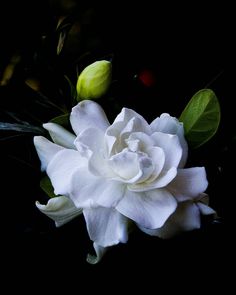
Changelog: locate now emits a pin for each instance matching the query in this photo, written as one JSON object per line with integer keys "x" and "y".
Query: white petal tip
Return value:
{"x": 38, "y": 205}
{"x": 48, "y": 126}
{"x": 38, "y": 140}
{"x": 92, "y": 259}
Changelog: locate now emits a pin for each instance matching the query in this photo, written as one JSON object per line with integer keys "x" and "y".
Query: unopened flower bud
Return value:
{"x": 94, "y": 80}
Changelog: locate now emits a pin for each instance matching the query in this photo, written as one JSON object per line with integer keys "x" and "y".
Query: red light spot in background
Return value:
{"x": 147, "y": 78}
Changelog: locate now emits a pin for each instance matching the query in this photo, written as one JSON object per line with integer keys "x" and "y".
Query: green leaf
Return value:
{"x": 63, "y": 120}
{"x": 47, "y": 187}
{"x": 201, "y": 117}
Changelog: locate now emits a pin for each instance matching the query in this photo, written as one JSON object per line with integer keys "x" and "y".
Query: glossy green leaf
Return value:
{"x": 201, "y": 117}
{"x": 47, "y": 187}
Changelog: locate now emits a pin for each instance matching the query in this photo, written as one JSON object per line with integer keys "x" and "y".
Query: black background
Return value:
{"x": 186, "y": 46}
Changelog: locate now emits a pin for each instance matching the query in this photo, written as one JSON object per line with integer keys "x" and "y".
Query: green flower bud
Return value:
{"x": 94, "y": 80}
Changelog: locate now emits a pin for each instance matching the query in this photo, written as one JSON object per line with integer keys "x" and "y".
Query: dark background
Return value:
{"x": 185, "y": 47}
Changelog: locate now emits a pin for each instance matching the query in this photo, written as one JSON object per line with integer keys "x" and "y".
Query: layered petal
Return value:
{"x": 100, "y": 167}
{"x": 161, "y": 181}
{"x": 202, "y": 202}
{"x": 167, "y": 124}
{"x": 131, "y": 167}
{"x": 127, "y": 114}
{"x": 46, "y": 150}
{"x": 158, "y": 160}
{"x": 89, "y": 141}
{"x": 135, "y": 124}
{"x": 127, "y": 122}
{"x": 139, "y": 141}
{"x": 60, "y": 135}
{"x": 185, "y": 218}
{"x": 88, "y": 191}
{"x": 60, "y": 209}
{"x": 61, "y": 169}
{"x": 100, "y": 251}
{"x": 205, "y": 210}
{"x": 106, "y": 227}
{"x": 172, "y": 149}
{"x": 148, "y": 209}
{"x": 188, "y": 183}
{"x": 90, "y": 144}
{"x": 88, "y": 114}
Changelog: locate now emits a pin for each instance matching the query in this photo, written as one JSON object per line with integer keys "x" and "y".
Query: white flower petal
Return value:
{"x": 171, "y": 147}
{"x": 167, "y": 124}
{"x": 146, "y": 167}
{"x": 46, "y": 150}
{"x": 131, "y": 167}
{"x": 157, "y": 156}
{"x": 90, "y": 140}
{"x": 87, "y": 114}
{"x": 127, "y": 114}
{"x": 111, "y": 138}
{"x": 188, "y": 183}
{"x": 60, "y": 135}
{"x": 88, "y": 191}
{"x": 205, "y": 210}
{"x": 60, "y": 209}
{"x": 98, "y": 163}
{"x": 135, "y": 124}
{"x": 100, "y": 167}
{"x": 125, "y": 164}
{"x": 100, "y": 251}
{"x": 148, "y": 209}
{"x": 61, "y": 169}
{"x": 126, "y": 122}
{"x": 106, "y": 227}
{"x": 185, "y": 218}
{"x": 162, "y": 180}
{"x": 139, "y": 141}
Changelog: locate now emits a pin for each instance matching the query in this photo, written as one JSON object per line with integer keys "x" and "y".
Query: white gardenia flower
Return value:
{"x": 128, "y": 170}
